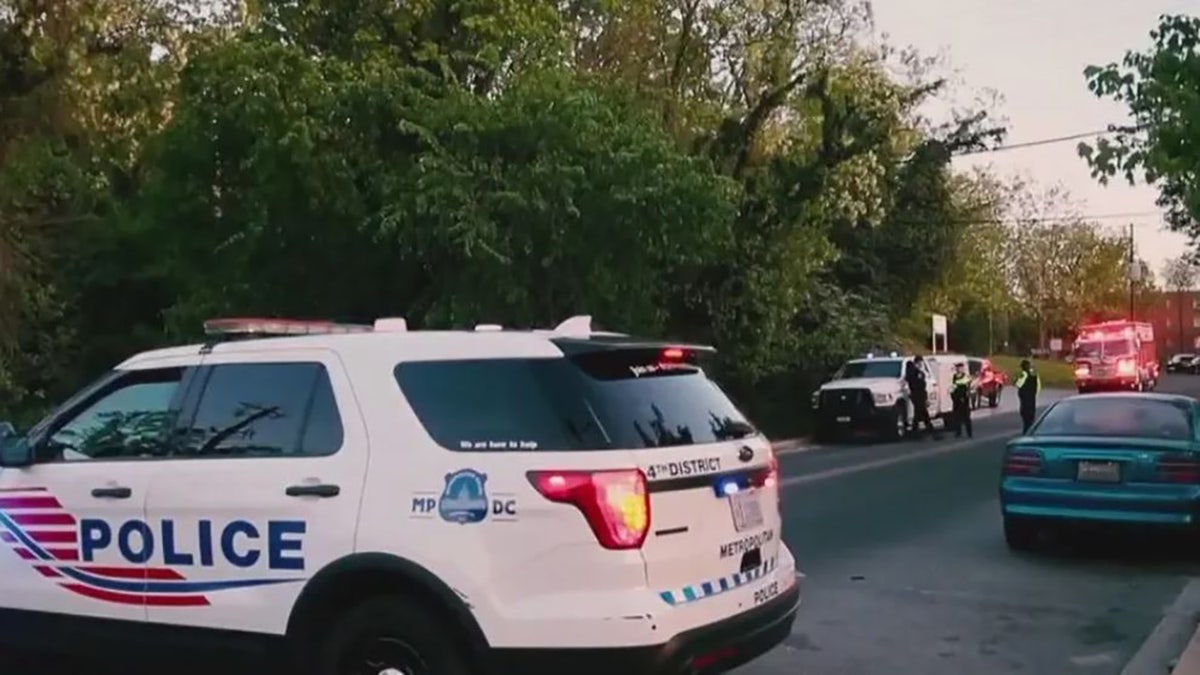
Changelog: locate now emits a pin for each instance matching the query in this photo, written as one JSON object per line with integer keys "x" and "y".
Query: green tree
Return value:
{"x": 1160, "y": 86}
{"x": 1065, "y": 270}
{"x": 347, "y": 190}
{"x": 84, "y": 85}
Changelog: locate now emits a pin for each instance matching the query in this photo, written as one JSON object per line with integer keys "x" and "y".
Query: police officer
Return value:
{"x": 914, "y": 375}
{"x": 960, "y": 399}
{"x": 1029, "y": 385}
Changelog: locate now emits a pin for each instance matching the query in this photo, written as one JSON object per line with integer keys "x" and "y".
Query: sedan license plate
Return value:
{"x": 1099, "y": 472}
{"x": 747, "y": 510}
{"x": 844, "y": 418}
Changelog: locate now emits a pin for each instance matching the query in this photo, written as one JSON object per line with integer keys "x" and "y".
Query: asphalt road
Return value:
{"x": 907, "y": 570}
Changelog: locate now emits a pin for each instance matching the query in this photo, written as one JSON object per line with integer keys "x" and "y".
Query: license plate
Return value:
{"x": 747, "y": 510}
{"x": 844, "y": 418}
{"x": 1099, "y": 472}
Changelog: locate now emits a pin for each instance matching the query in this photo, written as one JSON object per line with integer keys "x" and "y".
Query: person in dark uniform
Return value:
{"x": 960, "y": 399}
{"x": 1029, "y": 385}
{"x": 914, "y": 375}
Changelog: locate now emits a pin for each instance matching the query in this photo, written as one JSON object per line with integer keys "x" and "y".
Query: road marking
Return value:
{"x": 795, "y": 449}
{"x": 890, "y": 461}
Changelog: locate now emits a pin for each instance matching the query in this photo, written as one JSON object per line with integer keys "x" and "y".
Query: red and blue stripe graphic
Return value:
{"x": 41, "y": 531}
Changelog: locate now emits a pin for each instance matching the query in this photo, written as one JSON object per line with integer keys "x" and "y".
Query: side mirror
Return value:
{"x": 6, "y": 430}
{"x": 15, "y": 452}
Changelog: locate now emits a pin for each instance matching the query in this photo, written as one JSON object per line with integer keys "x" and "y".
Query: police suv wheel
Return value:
{"x": 389, "y": 635}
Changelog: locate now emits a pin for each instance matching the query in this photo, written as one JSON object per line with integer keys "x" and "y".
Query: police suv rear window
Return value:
{"x": 590, "y": 402}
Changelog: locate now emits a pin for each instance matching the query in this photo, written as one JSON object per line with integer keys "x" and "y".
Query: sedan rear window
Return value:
{"x": 1123, "y": 416}
{"x": 590, "y": 403}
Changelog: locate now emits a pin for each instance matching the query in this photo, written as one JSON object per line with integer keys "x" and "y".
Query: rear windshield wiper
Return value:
{"x": 729, "y": 428}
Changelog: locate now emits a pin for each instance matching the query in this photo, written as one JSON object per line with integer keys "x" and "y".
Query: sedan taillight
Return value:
{"x": 1022, "y": 463}
{"x": 1178, "y": 469}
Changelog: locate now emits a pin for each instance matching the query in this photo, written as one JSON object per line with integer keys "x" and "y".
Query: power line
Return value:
{"x": 1085, "y": 217}
{"x": 1047, "y": 141}
{"x": 1048, "y": 220}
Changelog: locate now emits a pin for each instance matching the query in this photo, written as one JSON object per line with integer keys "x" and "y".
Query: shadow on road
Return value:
{"x": 1141, "y": 551}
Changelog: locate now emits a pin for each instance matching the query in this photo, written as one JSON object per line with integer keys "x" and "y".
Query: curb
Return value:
{"x": 1189, "y": 660}
{"x": 1174, "y": 644}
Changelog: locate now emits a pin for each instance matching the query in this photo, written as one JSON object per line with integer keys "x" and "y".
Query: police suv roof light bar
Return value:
{"x": 274, "y": 327}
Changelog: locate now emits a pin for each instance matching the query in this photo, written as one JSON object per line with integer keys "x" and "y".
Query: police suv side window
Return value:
{"x": 126, "y": 418}
{"x": 264, "y": 410}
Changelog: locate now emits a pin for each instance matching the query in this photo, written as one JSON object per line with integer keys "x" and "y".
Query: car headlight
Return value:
{"x": 884, "y": 399}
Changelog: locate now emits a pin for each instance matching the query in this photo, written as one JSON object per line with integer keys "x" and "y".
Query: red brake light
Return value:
{"x": 672, "y": 354}
{"x": 1126, "y": 367}
{"x": 767, "y": 476}
{"x": 1179, "y": 469}
{"x": 1022, "y": 463}
{"x": 615, "y": 503}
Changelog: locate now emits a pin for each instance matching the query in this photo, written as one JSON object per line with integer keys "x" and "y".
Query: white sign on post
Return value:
{"x": 939, "y": 328}
{"x": 1056, "y": 344}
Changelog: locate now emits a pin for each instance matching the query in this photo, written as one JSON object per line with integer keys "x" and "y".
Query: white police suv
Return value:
{"x": 368, "y": 499}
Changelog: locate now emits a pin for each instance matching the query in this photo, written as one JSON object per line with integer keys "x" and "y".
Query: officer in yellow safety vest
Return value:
{"x": 1029, "y": 385}
{"x": 960, "y": 400}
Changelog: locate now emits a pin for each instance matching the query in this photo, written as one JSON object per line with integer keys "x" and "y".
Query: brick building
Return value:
{"x": 1176, "y": 319}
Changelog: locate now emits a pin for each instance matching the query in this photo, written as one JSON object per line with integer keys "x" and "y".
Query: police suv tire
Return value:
{"x": 390, "y": 631}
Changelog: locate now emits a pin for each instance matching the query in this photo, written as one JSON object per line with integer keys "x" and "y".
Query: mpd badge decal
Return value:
{"x": 465, "y": 498}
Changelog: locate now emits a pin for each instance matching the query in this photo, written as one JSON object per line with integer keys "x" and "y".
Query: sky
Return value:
{"x": 1033, "y": 54}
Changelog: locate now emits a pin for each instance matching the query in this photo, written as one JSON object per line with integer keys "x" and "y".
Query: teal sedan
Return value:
{"x": 1121, "y": 459}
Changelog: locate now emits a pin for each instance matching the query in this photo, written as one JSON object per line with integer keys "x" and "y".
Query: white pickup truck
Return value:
{"x": 870, "y": 394}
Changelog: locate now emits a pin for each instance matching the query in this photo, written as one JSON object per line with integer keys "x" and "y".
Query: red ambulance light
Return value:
{"x": 614, "y": 503}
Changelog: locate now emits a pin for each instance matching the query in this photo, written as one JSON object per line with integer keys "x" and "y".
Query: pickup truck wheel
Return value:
{"x": 898, "y": 429}
{"x": 822, "y": 433}
{"x": 389, "y": 634}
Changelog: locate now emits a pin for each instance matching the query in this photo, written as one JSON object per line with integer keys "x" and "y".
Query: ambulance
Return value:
{"x": 1114, "y": 356}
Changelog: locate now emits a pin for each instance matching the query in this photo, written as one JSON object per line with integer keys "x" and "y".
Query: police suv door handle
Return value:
{"x": 317, "y": 490}
{"x": 112, "y": 493}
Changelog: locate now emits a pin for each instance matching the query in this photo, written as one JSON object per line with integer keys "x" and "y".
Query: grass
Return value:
{"x": 1058, "y": 374}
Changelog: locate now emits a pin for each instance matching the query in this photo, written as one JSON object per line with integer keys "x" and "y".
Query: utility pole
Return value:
{"x": 1132, "y": 275}
{"x": 991, "y": 340}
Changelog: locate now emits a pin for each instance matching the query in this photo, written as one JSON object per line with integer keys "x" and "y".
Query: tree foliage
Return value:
{"x": 1160, "y": 86}
{"x": 1179, "y": 275}
{"x": 757, "y": 175}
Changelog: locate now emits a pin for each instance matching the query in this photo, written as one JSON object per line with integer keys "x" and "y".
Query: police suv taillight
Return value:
{"x": 615, "y": 503}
